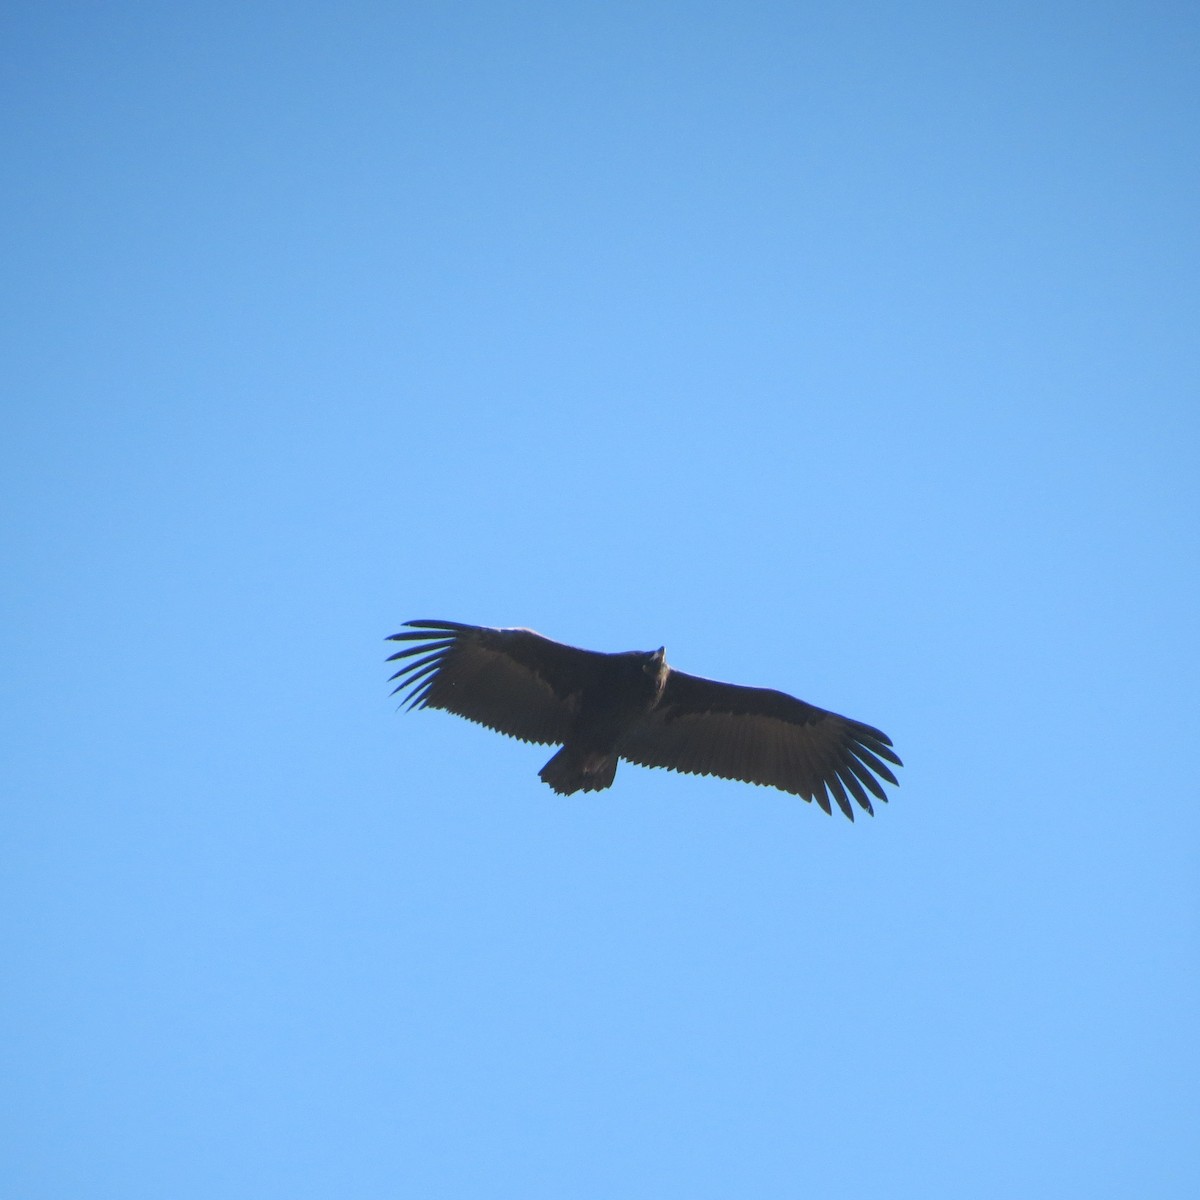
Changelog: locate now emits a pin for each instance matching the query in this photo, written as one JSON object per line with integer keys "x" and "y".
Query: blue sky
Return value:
{"x": 848, "y": 350}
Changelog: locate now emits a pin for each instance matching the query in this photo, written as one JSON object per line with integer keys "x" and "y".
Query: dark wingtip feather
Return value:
{"x": 873, "y": 763}
{"x": 420, "y": 648}
{"x": 839, "y": 794}
{"x": 876, "y": 741}
{"x": 433, "y": 641}
{"x": 850, "y": 781}
{"x": 822, "y": 797}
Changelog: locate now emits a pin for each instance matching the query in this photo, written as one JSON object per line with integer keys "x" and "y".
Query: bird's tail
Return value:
{"x": 573, "y": 770}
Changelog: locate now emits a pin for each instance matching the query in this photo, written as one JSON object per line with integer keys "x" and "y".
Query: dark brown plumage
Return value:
{"x": 601, "y": 707}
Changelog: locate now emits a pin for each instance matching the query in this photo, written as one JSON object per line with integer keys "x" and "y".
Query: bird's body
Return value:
{"x": 603, "y": 707}
{"x": 624, "y": 688}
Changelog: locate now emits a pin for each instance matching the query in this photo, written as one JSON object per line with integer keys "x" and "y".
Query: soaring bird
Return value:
{"x": 602, "y": 707}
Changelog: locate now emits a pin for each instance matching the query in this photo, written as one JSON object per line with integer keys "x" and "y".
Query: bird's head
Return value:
{"x": 656, "y": 665}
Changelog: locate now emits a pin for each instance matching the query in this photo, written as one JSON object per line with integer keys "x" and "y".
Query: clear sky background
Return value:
{"x": 845, "y": 349}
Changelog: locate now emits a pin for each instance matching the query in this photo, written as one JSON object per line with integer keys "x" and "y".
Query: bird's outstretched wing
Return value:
{"x": 702, "y": 727}
{"x": 512, "y": 680}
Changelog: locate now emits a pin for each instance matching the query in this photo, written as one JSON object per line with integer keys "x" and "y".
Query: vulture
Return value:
{"x": 604, "y": 707}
